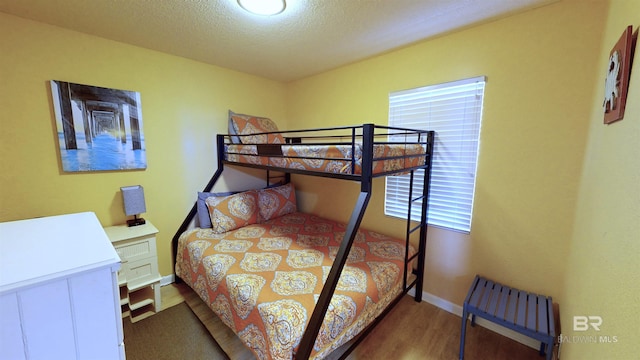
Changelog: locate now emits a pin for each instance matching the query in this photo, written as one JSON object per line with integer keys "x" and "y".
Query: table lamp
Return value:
{"x": 133, "y": 200}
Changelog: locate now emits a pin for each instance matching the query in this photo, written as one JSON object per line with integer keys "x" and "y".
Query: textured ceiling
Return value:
{"x": 309, "y": 37}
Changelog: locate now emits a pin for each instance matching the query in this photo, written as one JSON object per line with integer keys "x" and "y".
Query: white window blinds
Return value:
{"x": 454, "y": 111}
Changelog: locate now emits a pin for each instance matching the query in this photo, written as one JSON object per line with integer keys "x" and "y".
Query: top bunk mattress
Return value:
{"x": 349, "y": 152}
{"x": 336, "y": 159}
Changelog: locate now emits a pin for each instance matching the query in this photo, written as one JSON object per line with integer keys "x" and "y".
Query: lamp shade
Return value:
{"x": 133, "y": 200}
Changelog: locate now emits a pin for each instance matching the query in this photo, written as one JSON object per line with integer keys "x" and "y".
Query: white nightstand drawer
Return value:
{"x": 136, "y": 249}
{"x": 141, "y": 271}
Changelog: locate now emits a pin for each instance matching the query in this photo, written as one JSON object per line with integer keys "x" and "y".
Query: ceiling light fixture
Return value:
{"x": 263, "y": 7}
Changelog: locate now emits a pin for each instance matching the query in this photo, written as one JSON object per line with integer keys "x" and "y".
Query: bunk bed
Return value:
{"x": 294, "y": 285}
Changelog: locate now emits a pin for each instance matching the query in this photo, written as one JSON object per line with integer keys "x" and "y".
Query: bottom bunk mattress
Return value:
{"x": 263, "y": 280}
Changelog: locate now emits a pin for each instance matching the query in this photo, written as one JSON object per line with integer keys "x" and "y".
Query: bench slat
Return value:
{"x": 495, "y": 296}
{"x": 522, "y": 308}
{"x": 502, "y": 307}
{"x": 532, "y": 309}
{"x": 552, "y": 327}
{"x": 511, "y": 310}
{"x": 485, "y": 297}
{"x": 543, "y": 317}
{"x": 475, "y": 297}
{"x": 472, "y": 289}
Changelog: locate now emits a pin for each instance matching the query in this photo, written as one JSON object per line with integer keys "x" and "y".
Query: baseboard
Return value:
{"x": 166, "y": 280}
{"x": 457, "y": 310}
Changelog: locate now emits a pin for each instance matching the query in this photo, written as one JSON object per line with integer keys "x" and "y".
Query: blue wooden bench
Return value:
{"x": 526, "y": 313}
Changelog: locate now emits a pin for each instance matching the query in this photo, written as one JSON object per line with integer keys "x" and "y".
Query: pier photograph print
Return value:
{"x": 98, "y": 129}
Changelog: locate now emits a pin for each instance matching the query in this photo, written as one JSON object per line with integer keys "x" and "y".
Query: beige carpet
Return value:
{"x": 173, "y": 333}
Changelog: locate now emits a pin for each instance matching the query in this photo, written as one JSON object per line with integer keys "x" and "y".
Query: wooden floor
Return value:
{"x": 410, "y": 331}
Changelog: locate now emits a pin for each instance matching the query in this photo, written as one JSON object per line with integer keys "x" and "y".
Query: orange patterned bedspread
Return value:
{"x": 263, "y": 280}
{"x": 332, "y": 158}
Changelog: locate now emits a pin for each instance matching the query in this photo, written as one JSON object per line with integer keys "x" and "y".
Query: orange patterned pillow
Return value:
{"x": 277, "y": 201}
{"x": 247, "y": 125}
{"x": 234, "y": 211}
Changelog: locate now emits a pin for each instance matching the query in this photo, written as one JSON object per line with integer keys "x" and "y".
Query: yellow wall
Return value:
{"x": 603, "y": 272}
{"x": 184, "y": 104}
{"x": 541, "y": 68}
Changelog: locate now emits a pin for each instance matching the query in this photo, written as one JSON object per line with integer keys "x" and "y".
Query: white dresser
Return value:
{"x": 59, "y": 296}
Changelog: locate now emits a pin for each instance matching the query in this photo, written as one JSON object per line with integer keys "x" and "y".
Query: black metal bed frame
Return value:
{"x": 365, "y": 133}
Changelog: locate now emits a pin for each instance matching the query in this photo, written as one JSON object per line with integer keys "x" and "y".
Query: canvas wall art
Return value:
{"x": 99, "y": 129}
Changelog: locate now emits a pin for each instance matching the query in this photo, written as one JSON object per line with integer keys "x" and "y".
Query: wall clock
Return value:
{"x": 617, "y": 77}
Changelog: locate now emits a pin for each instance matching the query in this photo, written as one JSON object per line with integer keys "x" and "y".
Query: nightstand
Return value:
{"x": 139, "y": 279}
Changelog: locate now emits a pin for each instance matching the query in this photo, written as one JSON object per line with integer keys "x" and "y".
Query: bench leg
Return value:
{"x": 546, "y": 348}
{"x": 463, "y": 331}
{"x": 550, "y": 350}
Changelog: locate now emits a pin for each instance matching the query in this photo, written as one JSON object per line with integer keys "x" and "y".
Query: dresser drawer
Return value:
{"x": 136, "y": 249}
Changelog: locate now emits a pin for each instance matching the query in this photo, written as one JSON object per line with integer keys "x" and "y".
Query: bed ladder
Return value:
{"x": 422, "y": 227}
{"x": 424, "y": 214}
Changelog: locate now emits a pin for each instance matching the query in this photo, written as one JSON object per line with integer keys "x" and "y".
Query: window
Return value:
{"x": 454, "y": 111}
